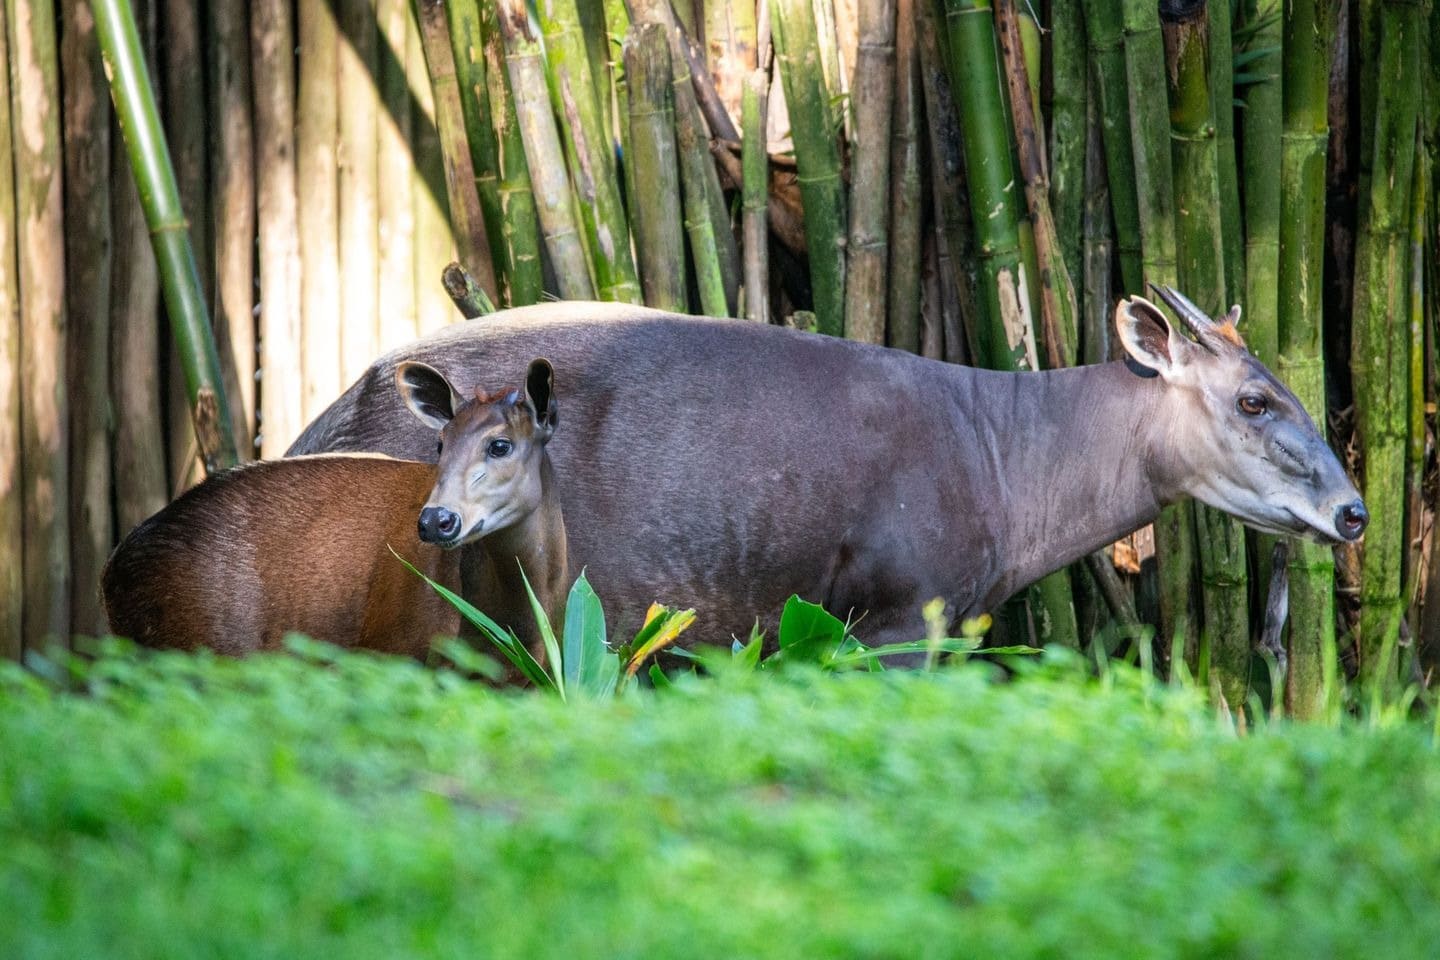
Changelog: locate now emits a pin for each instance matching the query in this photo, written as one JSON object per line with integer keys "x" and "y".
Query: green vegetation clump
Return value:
{"x": 332, "y": 805}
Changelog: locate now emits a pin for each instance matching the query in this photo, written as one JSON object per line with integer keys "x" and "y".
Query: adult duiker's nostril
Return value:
{"x": 1351, "y": 519}
{"x": 438, "y": 525}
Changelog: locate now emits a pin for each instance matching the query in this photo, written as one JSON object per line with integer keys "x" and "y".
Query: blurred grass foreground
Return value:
{"x": 173, "y": 806}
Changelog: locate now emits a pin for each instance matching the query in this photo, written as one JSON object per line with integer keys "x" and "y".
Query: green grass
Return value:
{"x": 196, "y": 807}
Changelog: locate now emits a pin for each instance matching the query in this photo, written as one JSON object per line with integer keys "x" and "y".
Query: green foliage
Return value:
{"x": 332, "y": 804}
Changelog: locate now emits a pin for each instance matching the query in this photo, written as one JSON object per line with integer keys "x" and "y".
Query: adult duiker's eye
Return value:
{"x": 1252, "y": 405}
{"x": 499, "y": 448}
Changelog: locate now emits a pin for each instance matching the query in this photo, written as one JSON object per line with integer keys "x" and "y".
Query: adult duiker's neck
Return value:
{"x": 1076, "y": 458}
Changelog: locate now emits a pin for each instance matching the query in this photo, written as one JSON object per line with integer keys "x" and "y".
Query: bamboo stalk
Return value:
{"x": 317, "y": 134}
{"x": 692, "y": 145}
{"x": 1222, "y": 86}
{"x": 903, "y": 296}
{"x": 798, "y": 57}
{"x": 1067, "y": 129}
{"x": 1379, "y": 352}
{"x": 1225, "y": 639}
{"x": 1308, "y": 27}
{"x": 159, "y": 197}
{"x": 1412, "y": 572}
{"x": 521, "y": 230}
{"x": 272, "y": 44}
{"x": 395, "y": 209}
{"x": 730, "y": 35}
{"x": 467, "y": 47}
{"x": 1098, "y": 244}
{"x": 1105, "y": 32}
{"x": 868, "y": 247}
{"x": 466, "y": 218}
{"x": 1058, "y": 309}
{"x": 86, "y": 133}
{"x": 558, "y": 221}
{"x": 40, "y": 239}
{"x": 434, "y": 235}
{"x": 659, "y": 238}
{"x": 960, "y": 308}
{"x": 589, "y": 152}
{"x": 232, "y": 175}
{"x": 600, "y": 55}
{"x": 755, "y": 157}
{"x": 466, "y": 293}
{"x": 12, "y": 477}
{"x": 357, "y": 172}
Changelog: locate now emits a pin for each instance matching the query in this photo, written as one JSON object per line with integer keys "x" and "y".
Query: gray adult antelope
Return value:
{"x": 304, "y": 544}
{"x": 726, "y": 465}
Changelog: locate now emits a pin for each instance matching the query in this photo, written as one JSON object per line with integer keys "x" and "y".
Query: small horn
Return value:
{"x": 1208, "y": 333}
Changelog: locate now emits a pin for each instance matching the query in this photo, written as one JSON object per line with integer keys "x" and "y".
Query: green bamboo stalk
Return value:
{"x": 1415, "y": 452}
{"x": 467, "y": 47}
{"x": 521, "y": 230}
{"x": 1008, "y": 340}
{"x": 1067, "y": 129}
{"x": 1058, "y": 310}
{"x": 1225, "y": 639}
{"x": 86, "y": 132}
{"x": 755, "y": 196}
{"x": 434, "y": 234}
{"x": 905, "y": 187}
{"x": 272, "y": 40}
{"x": 466, "y": 293}
{"x": 1145, "y": 85}
{"x": 600, "y": 56}
{"x": 12, "y": 501}
{"x": 358, "y": 172}
{"x": 159, "y": 196}
{"x": 232, "y": 179}
{"x": 395, "y": 226}
{"x": 545, "y": 159}
{"x": 1379, "y": 352}
{"x": 588, "y": 151}
{"x": 659, "y": 238}
{"x": 465, "y": 215}
{"x": 1098, "y": 244}
{"x": 40, "y": 239}
{"x": 797, "y": 53}
{"x": 869, "y": 241}
{"x": 1222, "y": 84}
{"x": 695, "y": 170}
{"x": 1308, "y": 27}
{"x": 1105, "y": 32}
{"x": 317, "y": 132}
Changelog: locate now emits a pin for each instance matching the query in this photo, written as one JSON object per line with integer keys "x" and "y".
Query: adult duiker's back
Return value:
{"x": 727, "y": 464}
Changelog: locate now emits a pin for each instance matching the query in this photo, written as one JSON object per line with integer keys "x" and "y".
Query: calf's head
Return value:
{"x": 1235, "y": 437}
{"x": 491, "y": 450}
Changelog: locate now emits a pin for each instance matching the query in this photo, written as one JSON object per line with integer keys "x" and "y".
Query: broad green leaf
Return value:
{"x": 658, "y": 678}
{"x": 505, "y": 641}
{"x": 590, "y": 665}
{"x": 547, "y": 634}
{"x": 808, "y": 632}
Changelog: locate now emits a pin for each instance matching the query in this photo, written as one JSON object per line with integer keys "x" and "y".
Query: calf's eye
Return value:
{"x": 1252, "y": 405}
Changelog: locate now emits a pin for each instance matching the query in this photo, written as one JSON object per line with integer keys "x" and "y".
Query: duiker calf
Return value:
{"x": 304, "y": 544}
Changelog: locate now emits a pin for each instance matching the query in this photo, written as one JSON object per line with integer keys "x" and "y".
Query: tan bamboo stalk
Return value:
{"x": 357, "y": 173}
{"x": 1379, "y": 354}
{"x": 87, "y": 292}
{"x": 272, "y": 45}
{"x": 39, "y": 211}
{"x": 466, "y": 217}
{"x": 932, "y": 333}
{"x": 434, "y": 238}
{"x": 395, "y": 210}
{"x": 232, "y": 176}
{"x": 558, "y": 220}
{"x": 730, "y": 48}
{"x": 798, "y": 56}
{"x": 1057, "y": 293}
{"x": 1067, "y": 129}
{"x": 868, "y": 248}
{"x": 903, "y": 297}
{"x": 317, "y": 135}
{"x": 12, "y": 502}
{"x": 659, "y": 237}
{"x": 755, "y": 157}
{"x": 521, "y": 232}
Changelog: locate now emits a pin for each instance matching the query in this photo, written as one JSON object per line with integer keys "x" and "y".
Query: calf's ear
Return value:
{"x": 426, "y": 393}
{"x": 540, "y": 396}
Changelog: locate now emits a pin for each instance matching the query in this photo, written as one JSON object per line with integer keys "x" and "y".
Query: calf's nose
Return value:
{"x": 1351, "y": 518}
{"x": 438, "y": 525}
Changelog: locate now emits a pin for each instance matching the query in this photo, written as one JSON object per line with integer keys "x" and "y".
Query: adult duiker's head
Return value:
{"x": 491, "y": 448}
{"x": 1239, "y": 440}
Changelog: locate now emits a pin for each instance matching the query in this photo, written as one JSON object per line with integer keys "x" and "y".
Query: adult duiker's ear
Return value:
{"x": 1148, "y": 337}
{"x": 540, "y": 395}
{"x": 426, "y": 393}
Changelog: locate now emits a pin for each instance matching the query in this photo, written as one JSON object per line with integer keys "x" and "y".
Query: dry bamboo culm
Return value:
{"x": 947, "y": 177}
